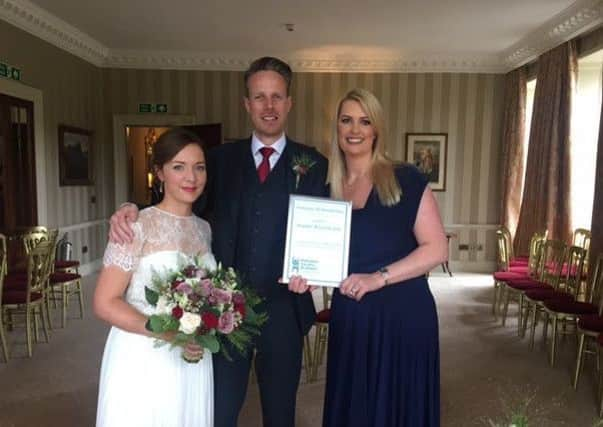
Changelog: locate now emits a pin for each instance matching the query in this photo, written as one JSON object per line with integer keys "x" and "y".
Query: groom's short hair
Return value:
{"x": 269, "y": 63}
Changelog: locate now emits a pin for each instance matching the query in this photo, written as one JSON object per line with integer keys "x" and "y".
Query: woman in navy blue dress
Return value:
{"x": 383, "y": 358}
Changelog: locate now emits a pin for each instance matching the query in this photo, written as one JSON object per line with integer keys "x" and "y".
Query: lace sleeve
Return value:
{"x": 125, "y": 256}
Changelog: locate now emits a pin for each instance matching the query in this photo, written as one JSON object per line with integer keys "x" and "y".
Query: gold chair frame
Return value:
{"x": 38, "y": 269}
{"x": 535, "y": 266}
{"x": 594, "y": 290}
{"x": 586, "y": 336}
{"x": 321, "y": 336}
{"x": 555, "y": 254}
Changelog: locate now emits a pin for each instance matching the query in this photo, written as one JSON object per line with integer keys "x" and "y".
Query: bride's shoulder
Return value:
{"x": 150, "y": 219}
{"x": 147, "y": 216}
{"x": 201, "y": 224}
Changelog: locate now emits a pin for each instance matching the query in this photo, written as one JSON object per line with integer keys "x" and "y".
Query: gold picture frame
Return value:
{"x": 427, "y": 151}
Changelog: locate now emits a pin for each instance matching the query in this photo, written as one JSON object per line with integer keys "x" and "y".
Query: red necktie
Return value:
{"x": 264, "y": 167}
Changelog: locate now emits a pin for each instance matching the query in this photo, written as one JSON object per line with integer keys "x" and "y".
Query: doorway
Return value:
{"x": 18, "y": 193}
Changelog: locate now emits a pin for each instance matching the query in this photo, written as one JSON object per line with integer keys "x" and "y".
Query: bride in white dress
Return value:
{"x": 141, "y": 384}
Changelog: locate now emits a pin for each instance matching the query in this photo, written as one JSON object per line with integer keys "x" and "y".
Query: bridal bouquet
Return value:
{"x": 204, "y": 307}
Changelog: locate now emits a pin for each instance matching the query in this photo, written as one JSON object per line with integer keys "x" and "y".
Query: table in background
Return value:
{"x": 445, "y": 266}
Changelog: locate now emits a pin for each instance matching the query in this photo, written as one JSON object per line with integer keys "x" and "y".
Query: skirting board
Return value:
{"x": 469, "y": 267}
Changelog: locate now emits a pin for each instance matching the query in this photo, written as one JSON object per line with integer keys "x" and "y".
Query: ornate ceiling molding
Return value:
{"x": 579, "y": 18}
{"x": 29, "y": 17}
{"x": 188, "y": 61}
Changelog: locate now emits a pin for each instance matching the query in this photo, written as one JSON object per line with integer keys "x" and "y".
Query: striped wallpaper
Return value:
{"x": 72, "y": 95}
{"x": 466, "y": 106}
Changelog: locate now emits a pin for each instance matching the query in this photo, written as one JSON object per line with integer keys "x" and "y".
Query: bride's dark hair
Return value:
{"x": 171, "y": 142}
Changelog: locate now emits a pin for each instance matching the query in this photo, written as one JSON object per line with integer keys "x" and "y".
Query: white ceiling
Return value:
{"x": 329, "y": 35}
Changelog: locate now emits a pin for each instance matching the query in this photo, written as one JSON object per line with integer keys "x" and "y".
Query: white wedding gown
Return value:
{"x": 142, "y": 385}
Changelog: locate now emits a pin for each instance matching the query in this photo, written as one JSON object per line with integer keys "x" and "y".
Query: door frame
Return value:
{"x": 22, "y": 91}
{"x": 120, "y": 161}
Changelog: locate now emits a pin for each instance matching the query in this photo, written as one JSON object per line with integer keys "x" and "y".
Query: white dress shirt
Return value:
{"x": 279, "y": 147}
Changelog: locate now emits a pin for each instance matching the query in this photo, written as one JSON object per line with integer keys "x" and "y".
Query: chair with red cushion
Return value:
{"x": 68, "y": 285}
{"x": 553, "y": 258}
{"x": 322, "y": 332}
{"x": 505, "y": 271}
{"x": 31, "y": 237}
{"x": 514, "y": 287}
{"x": 66, "y": 266}
{"x": 65, "y": 282}
{"x": 514, "y": 261}
{"x": 30, "y": 301}
{"x": 591, "y": 325}
{"x": 581, "y": 237}
{"x": 569, "y": 311}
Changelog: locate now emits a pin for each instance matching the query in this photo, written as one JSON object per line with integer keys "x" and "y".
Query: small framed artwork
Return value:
{"x": 427, "y": 151}
{"x": 75, "y": 156}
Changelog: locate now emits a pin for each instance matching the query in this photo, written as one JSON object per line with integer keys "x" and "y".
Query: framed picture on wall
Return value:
{"x": 427, "y": 151}
{"x": 75, "y": 156}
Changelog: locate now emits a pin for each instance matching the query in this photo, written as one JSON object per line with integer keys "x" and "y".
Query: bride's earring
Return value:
{"x": 161, "y": 187}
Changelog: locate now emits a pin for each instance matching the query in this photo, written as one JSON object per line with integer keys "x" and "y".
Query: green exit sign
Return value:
{"x": 9, "y": 72}
{"x": 152, "y": 108}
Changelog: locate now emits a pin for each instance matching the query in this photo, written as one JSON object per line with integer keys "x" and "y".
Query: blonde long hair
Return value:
{"x": 382, "y": 168}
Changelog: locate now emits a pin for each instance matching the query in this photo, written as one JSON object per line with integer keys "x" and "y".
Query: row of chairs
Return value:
{"x": 28, "y": 290}
{"x": 552, "y": 283}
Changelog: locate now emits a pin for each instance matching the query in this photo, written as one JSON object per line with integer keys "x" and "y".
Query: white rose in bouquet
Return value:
{"x": 189, "y": 322}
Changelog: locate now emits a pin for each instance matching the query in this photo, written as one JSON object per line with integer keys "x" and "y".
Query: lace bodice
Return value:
{"x": 161, "y": 241}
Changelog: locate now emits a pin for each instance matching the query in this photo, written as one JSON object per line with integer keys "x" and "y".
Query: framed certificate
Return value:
{"x": 318, "y": 240}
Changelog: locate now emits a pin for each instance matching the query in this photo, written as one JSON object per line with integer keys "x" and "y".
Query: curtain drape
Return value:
{"x": 596, "y": 243}
{"x": 514, "y": 118}
{"x": 546, "y": 197}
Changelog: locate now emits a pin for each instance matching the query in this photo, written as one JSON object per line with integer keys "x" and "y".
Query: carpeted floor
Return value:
{"x": 486, "y": 371}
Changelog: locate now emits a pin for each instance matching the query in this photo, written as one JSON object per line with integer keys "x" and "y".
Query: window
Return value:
{"x": 586, "y": 110}
{"x": 584, "y": 134}
{"x": 530, "y": 91}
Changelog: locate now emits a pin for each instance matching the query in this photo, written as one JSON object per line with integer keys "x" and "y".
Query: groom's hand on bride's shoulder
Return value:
{"x": 121, "y": 229}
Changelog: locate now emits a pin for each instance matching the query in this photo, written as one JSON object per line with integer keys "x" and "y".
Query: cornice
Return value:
{"x": 578, "y": 18}
{"x": 209, "y": 61}
{"x": 31, "y": 18}
{"x": 573, "y": 21}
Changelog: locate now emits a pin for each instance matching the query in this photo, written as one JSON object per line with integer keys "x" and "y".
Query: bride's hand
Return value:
{"x": 193, "y": 351}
